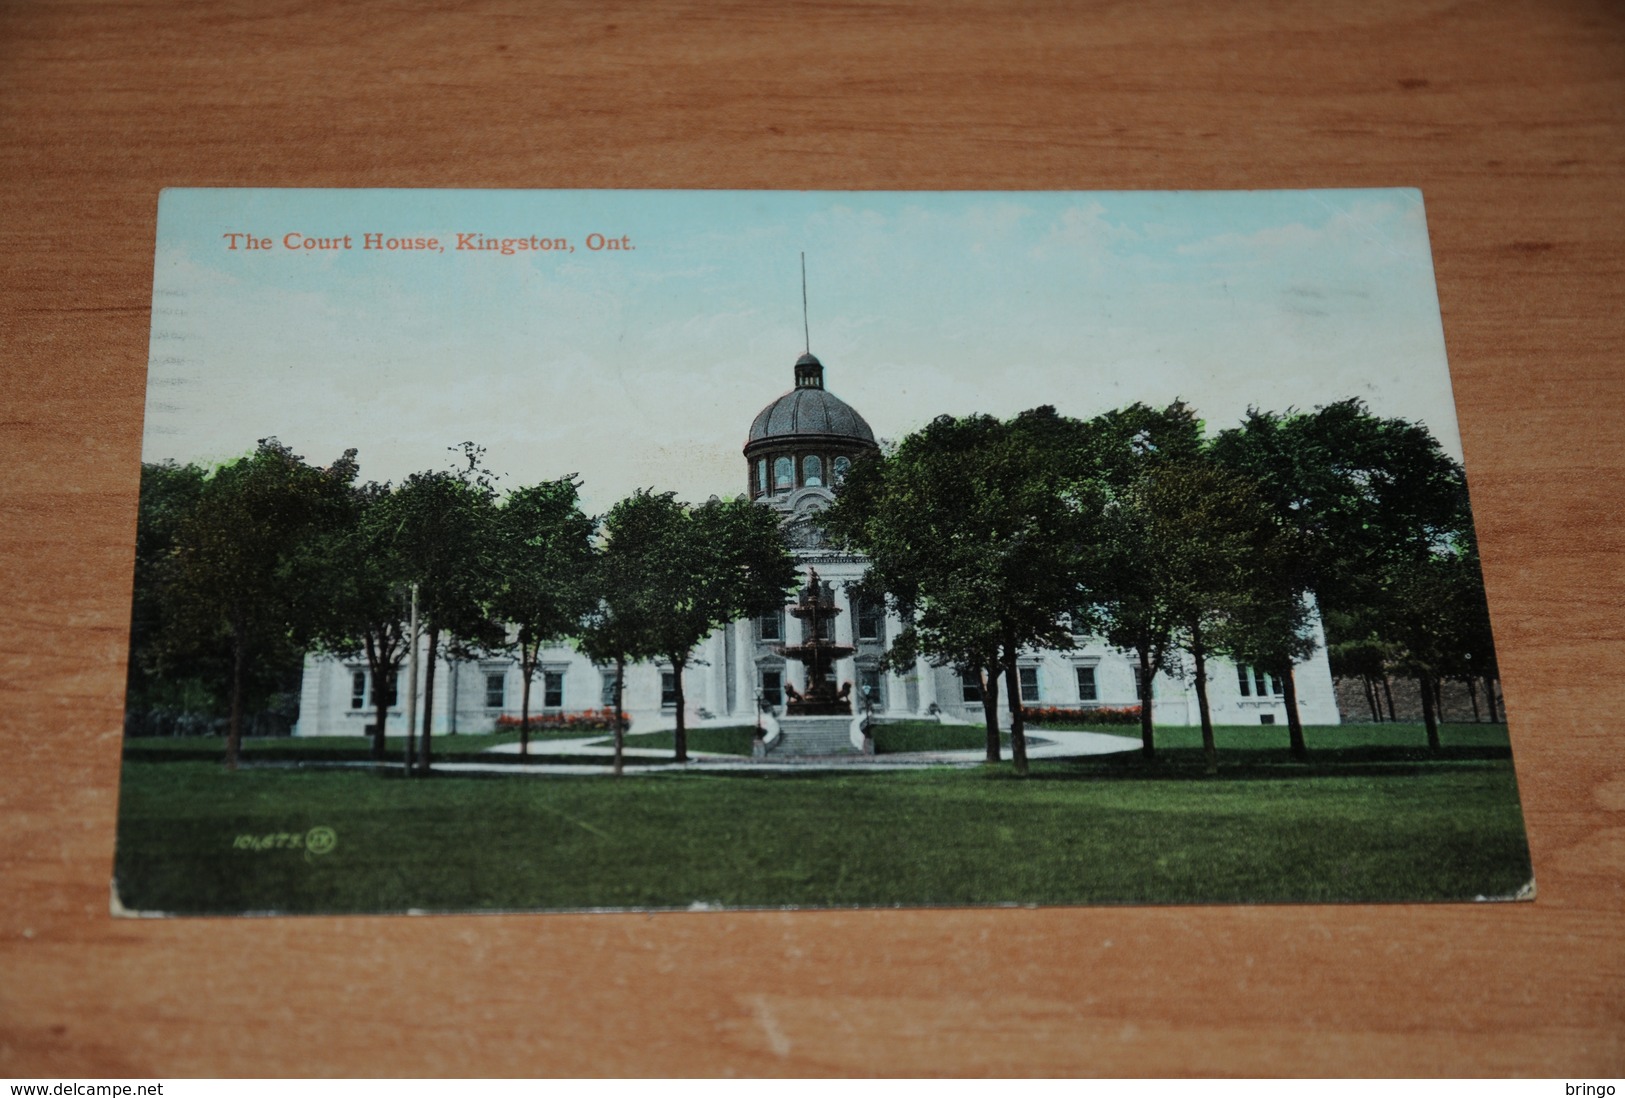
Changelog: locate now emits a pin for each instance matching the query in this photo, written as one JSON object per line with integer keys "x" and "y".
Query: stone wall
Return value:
{"x": 1458, "y": 702}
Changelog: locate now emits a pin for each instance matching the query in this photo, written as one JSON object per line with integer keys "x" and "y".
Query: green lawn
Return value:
{"x": 898, "y": 736}
{"x": 461, "y": 747}
{"x": 1336, "y": 738}
{"x": 1372, "y": 816}
{"x": 724, "y": 741}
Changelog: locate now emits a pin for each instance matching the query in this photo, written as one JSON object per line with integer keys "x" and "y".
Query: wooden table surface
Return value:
{"x": 1511, "y": 118}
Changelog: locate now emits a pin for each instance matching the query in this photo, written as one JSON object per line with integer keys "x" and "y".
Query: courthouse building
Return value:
{"x": 798, "y": 448}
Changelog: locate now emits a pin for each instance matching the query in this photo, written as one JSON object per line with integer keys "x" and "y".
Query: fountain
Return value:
{"x": 816, "y": 610}
{"x": 819, "y": 722}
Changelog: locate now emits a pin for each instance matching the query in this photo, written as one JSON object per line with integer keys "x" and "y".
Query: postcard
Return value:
{"x": 606, "y": 550}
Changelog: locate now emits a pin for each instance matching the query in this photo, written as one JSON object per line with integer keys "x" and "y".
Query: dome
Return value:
{"x": 809, "y": 411}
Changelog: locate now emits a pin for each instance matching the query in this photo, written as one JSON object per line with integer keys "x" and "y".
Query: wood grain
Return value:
{"x": 1509, "y": 115}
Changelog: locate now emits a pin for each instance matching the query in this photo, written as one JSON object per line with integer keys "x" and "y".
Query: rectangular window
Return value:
{"x": 1275, "y": 686}
{"x": 496, "y": 691}
{"x": 358, "y": 690}
{"x": 971, "y": 686}
{"x": 1140, "y": 691}
{"x": 1258, "y": 681}
{"x": 869, "y": 680}
{"x": 668, "y": 689}
{"x": 1029, "y": 683}
{"x": 868, "y": 619}
{"x": 1241, "y": 680}
{"x": 770, "y": 626}
{"x": 1087, "y": 690}
{"x": 552, "y": 689}
{"x": 394, "y": 697}
{"x": 772, "y": 687}
{"x": 607, "y": 698}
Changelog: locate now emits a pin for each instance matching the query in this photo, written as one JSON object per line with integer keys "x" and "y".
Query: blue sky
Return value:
{"x": 643, "y": 367}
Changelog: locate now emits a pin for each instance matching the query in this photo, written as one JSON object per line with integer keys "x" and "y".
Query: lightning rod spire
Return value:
{"x": 805, "y": 330}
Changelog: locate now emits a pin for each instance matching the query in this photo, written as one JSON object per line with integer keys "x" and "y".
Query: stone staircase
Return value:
{"x": 808, "y": 737}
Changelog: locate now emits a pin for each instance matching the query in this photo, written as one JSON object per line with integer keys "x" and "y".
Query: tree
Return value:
{"x": 954, "y": 632}
{"x": 545, "y": 550}
{"x": 699, "y": 568}
{"x": 618, "y": 628}
{"x": 1403, "y": 572}
{"x": 974, "y": 529}
{"x": 669, "y": 575}
{"x": 159, "y": 673}
{"x": 444, "y": 532}
{"x": 1307, "y": 490}
{"x": 1205, "y": 529}
{"x": 1271, "y": 627}
{"x": 1432, "y": 610}
{"x": 1469, "y": 624}
{"x": 232, "y": 579}
{"x": 1380, "y": 532}
{"x": 358, "y": 585}
{"x": 1128, "y": 603}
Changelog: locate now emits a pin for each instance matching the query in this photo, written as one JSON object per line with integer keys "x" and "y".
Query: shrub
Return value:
{"x": 587, "y": 720}
{"x": 1104, "y": 714}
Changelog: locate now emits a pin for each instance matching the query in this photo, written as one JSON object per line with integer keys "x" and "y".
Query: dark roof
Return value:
{"x": 809, "y": 411}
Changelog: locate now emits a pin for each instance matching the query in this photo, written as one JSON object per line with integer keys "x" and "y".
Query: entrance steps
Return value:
{"x": 813, "y": 737}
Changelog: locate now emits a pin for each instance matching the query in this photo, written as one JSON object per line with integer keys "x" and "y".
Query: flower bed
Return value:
{"x": 587, "y": 720}
{"x": 1102, "y": 714}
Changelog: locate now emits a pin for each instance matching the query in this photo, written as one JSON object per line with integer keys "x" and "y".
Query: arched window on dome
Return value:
{"x": 761, "y": 477}
{"x": 842, "y": 464}
{"x": 812, "y": 471}
{"x": 784, "y": 474}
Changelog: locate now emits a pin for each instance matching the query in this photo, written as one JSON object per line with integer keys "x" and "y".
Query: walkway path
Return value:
{"x": 1043, "y": 745}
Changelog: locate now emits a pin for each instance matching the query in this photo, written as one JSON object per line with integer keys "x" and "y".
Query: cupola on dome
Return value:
{"x": 809, "y": 411}
{"x": 807, "y": 438}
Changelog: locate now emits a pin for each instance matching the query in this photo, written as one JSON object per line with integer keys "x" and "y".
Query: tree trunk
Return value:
{"x": 1388, "y": 691}
{"x": 527, "y": 667}
{"x": 1294, "y": 721}
{"x": 620, "y": 721}
{"x": 1472, "y": 695}
{"x": 1489, "y": 698}
{"x": 1210, "y": 749}
{"x": 412, "y": 637}
{"x": 1438, "y": 698}
{"x": 990, "y": 709}
{"x": 234, "y": 733}
{"x": 681, "y": 737}
{"x": 424, "y": 759}
{"x": 380, "y": 712}
{"x": 380, "y": 696}
{"x": 1371, "y": 698}
{"x": 1148, "y": 749}
{"x": 1429, "y": 717}
{"x": 1012, "y": 690}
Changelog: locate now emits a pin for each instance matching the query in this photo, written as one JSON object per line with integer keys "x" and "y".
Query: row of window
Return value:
{"x": 552, "y": 692}
{"x": 971, "y": 685}
{"x": 496, "y": 691}
{"x": 1249, "y": 681}
{"x": 870, "y": 687}
{"x": 812, "y": 469}
{"x": 1263, "y": 685}
{"x": 1088, "y": 686}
